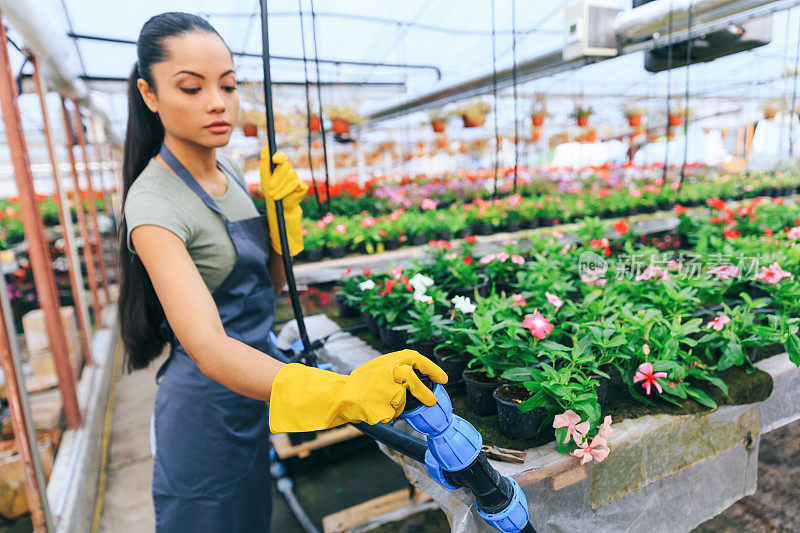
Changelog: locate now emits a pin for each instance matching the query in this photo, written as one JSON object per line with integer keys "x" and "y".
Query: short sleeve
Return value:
{"x": 146, "y": 207}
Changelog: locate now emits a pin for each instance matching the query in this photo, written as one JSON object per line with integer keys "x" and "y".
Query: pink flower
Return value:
{"x": 396, "y": 272}
{"x": 793, "y": 233}
{"x": 718, "y": 323}
{"x": 368, "y": 222}
{"x": 653, "y": 272}
{"x": 327, "y": 219}
{"x": 649, "y": 377}
{"x": 564, "y": 250}
{"x": 538, "y": 324}
{"x": 486, "y": 259}
{"x": 646, "y": 349}
{"x": 773, "y": 274}
{"x": 427, "y": 203}
{"x": 594, "y": 276}
{"x": 557, "y": 234}
{"x": 502, "y": 257}
{"x": 514, "y": 200}
{"x": 517, "y": 259}
{"x": 554, "y": 300}
{"x": 597, "y": 450}
{"x": 321, "y": 224}
{"x": 519, "y": 300}
{"x": 575, "y": 428}
{"x": 341, "y": 228}
{"x": 724, "y": 272}
{"x": 605, "y": 430}
{"x": 636, "y": 193}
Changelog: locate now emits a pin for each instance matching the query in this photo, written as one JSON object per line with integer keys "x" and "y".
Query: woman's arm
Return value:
{"x": 194, "y": 318}
{"x": 275, "y": 269}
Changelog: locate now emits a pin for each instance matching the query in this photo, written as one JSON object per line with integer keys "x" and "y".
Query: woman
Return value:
{"x": 199, "y": 272}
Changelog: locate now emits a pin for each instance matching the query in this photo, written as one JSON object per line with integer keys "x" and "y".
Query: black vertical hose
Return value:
{"x": 494, "y": 92}
{"x": 669, "y": 92}
{"x": 794, "y": 96}
{"x": 514, "y": 82}
{"x": 308, "y": 106}
{"x": 319, "y": 99}
{"x": 686, "y": 105}
{"x": 273, "y": 148}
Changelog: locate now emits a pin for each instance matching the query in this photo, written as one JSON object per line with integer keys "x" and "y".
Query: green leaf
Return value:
{"x": 700, "y": 396}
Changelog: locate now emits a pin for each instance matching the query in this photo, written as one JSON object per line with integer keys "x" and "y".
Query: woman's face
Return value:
{"x": 196, "y": 88}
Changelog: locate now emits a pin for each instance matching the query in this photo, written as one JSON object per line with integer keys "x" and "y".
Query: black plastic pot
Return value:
{"x": 394, "y": 339}
{"x": 372, "y": 324}
{"x": 346, "y": 310}
{"x": 513, "y": 226}
{"x": 391, "y": 244}
{"x": 479, "y": 392}
{"x": 483, "y": 228}
{"x": 602, "y": 389}
{"x": 533, "y": 223}
{"x": 516, "y": 424}
{"x": 758, "y": 353}
{"x": 417, "y": 239}
{"x": 445, "y": 235}
{"x": 483, "y": 289}
{"x": 545, "y": 222}
{"x": 452, "y": 364}
{"x": 335, "y": 252}
{"x": 315, "y": 254}
{"x": 463, "y": 232}
{"x": 426, "y": 348}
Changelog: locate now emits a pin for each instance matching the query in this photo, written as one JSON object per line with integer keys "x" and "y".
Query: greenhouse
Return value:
{"x": 423, "y": 266}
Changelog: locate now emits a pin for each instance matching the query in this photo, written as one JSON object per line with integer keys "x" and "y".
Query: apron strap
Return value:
{"x": 233, "y": 176}
{"x": 178, "y": 168}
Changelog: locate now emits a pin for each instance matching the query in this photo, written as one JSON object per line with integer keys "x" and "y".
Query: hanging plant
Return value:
{"x": 771, "y": 107}
{"x": 538, "y": 110}
{"x": 536, "y": 134}
{"x": 342, "y": 117}
{"x": 314, "y": 123}
{"x": 634, "y": 115}
{"x": 250, "y": 120}
{"x": 474, "y": 114}
{"x": 677, "y": 113}
{"x": 581, "y": 115}
{"x": 438, "y": 120}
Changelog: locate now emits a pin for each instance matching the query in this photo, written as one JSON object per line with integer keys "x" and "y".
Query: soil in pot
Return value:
{"x": 315, "y": 254}
{"x": 514, "y": 423}
{"x": 479, "y": 392}
{"x": 346, "y": 310}
{"x": 452, "y": 363}
{"x": 336, "y": 252}
{"x": 394, "y": 339}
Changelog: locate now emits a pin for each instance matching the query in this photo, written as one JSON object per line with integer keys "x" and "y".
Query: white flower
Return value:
{"x": 420, "y": 283}
{"x": 463, "y": 304}
{"x": 422, "y": 297}
{"x": 366, "y": 285}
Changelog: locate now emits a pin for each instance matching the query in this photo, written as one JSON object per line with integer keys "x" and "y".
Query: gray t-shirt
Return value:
{"x": 159, "y": 197}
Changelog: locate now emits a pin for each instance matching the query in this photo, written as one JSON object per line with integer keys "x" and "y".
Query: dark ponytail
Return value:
{"x": 140, "y": 312}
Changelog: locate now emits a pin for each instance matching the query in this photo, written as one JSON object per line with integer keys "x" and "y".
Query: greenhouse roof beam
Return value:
{"x": 711, "y": 17}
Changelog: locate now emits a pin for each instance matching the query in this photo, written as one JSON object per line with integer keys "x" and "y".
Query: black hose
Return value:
{"x": 396, "y": 439}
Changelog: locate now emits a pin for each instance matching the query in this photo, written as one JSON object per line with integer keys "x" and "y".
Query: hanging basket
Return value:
{"x": 634, "y": 120}
{"x": 340, "y": 126}
{"x": 471, "y": 122}
{"x": 314, "y": 123}
{"x": 250, "y": 130}
{"x": 537, "y": 120}
{"x": 438, "y": 126}
{"x": 675, "y": 120}
{"x": 769, "y": 114}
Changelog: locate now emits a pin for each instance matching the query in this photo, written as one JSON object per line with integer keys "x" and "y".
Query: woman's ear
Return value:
{"x": 148, "y": 95}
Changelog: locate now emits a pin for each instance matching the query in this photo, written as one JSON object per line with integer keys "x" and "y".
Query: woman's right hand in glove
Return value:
{"x": 308, "y": 399}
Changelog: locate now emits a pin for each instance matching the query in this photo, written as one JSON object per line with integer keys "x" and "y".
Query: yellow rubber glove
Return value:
{"x": 309, "y": 399}
{"x": 283, "y": 184}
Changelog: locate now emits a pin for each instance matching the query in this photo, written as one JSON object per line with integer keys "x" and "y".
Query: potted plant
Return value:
{"x": 634, "y": 114}
{"x": 581, "y": 115}
{"x": 438, "y": 119}
{"x": 337, "y": 239}
{"x": 538, "y": 110}
{"x": 314, "y": 123}
{"x": 474, "y": 114}
{"x": 425, "y": 324}
{"x": 677, "y": 113}
{"x": 536, "y": 134}
{"x": 313, "y": 242}
{"x": 250, "y": 119}
{"x": 771, "y": 107}
{"x": 349, "y": 297}
{"x": 342, "y": 117}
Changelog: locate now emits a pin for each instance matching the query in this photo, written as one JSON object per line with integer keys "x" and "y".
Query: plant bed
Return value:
{"x": 480, "y": 388}
{"x": 513, "y": 422}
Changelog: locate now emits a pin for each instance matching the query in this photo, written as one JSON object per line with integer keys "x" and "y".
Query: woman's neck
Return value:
{"x": 200, "y": 161}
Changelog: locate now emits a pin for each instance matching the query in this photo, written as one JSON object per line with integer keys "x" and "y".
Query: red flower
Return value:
{"x": 382, "y": 232}
{"x": 366, "y": 272}
{"x": 468, "y": 260}
{"x": 390, "y": 283}
{"x": 716, "y": 203}
{"x": 470, "y": 239}
{"x": 769, "y": 232}
{"x": 621, "y": 227}
{"x": 347, "y": 272}
{"x": 731, "y": 233}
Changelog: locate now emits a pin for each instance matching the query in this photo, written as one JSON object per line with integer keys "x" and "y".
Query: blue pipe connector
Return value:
{"x": 514, "y": 517}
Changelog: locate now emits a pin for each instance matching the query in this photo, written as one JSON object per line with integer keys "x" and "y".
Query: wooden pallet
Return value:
{"x": 370, "y": 509}
{"x": 323, "y": 439}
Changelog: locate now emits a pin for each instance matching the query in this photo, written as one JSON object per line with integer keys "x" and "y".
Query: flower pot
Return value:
{"x": 393, "y": 339}
{"x": 438, "y": 126}
{"x": 545, "y": 222}
{"x": 463, "y": 232}
{"x": 346, "y": 310}
{"x": 516, "y": 424}
{"x": 391, "y": 244}
{"x": 582, "y": 121}
{"x": 372, "y": 325}
{"x": 770, "y": 114}
{"x": 634, "y": 120}
{"x": 513, "y": 226}
{"x": 757, "y": 353}
{"x": 417, "y": 239}
{"x": 479, "y": 392}
{"x": 470, "y": 122}
{"x": 452, "y": 364}
{"x": 314, "y": 123}
{"x": 603, "y": 383}
{"x": 426, "y": 348}
{"x": 675, "y": 120}
{"x": 340, "y": 126}
{"x": 536, "y": 134}
{"x": 445, "y": 235}
{"x": 250, "y": 130}
{"x": 335, "y": 252}
{"x": 532, "y": 223}
{"x": 315, "y": 254}
{"x": 537, "y": 120}
{"x": 482, "y": 287}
